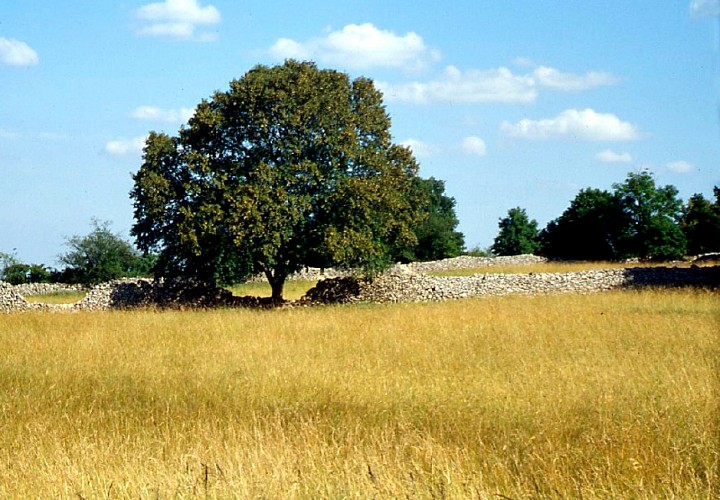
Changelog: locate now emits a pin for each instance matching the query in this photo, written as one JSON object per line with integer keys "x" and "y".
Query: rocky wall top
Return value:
{"x": 403, "y": 283}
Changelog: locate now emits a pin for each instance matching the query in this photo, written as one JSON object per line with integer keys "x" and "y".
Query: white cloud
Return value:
{"x": 474, "y": 145}
{"x": 680, "y": 167}
{"x": 16, "y": 53}
{"x": 493, "y": 85}
{"x": 177, "y": 19}
{"x": 705, "y": 8}
{"x": 552, "y": 78}
{"x": 585, "y": 125}
{"x": 609, "y": 156}
{"x": 285, "y": 48}
{"x": 152, "y": 113}
{"x": 361, "y": 46}
{"x": 471, "y": 87}
{"x": 419, "y": 148}
{"x": 125, "y": 147}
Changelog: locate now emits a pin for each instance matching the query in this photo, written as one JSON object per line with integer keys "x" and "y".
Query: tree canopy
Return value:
{"x": 437, "y": 237}
{"x": 651, "y": 216}
{"x": 518, "y": 234}
{"x": 637, "y": 220}
{"x": 589, "y": 229}
{"x": 701, "y": 224}
{"x": 293, "y": 166}
{"x": 100, "y": 256}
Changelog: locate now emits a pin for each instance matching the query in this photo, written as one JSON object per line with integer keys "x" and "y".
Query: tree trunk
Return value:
{"x": 277, "y": 290}
{"x": 277, "y": 283}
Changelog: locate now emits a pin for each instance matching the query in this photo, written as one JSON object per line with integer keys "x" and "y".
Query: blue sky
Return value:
{"x": 512, "y": 103}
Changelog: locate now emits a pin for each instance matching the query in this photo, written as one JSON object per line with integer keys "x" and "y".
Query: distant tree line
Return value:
{"x": 637, "y": 219}
{"x": 99, "y": 256}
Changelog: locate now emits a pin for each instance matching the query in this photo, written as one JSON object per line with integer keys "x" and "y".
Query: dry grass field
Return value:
{"x": 57, "y": 297}
{"x": 294, "y": 289}
{"x": 613, "y": 395}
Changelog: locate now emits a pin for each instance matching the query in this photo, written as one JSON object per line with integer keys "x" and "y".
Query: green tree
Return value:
{"x": 6, "y": 262}
{"x": 587, "y": 230}
{"x": 701, "y": 224}
{"x": 436, "y": 233}
{"x": 651, "y": 216}
{"x": 292, "y": 166}
{"x": 15, "y": 272}
{"x": 101, "y": 256}
{"x": 518, "y": 234}
{"x": 20, "y": 273}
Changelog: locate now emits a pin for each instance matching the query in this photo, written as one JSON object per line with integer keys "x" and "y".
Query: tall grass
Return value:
{"x": 294, "y": 289}
{"x": 609, "y": 395}
{"x": 60, "y": 297}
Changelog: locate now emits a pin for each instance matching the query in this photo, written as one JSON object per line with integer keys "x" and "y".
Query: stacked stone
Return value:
{"x": 30, "y": 289}
{"x": 307, "y": 274}
{"x": 401, "y": 284}
{"x": 673, "y": 276}
{"x": 119, "y": 294}
{"x": 468, "y": 262}
{"x": 10, "y": 300}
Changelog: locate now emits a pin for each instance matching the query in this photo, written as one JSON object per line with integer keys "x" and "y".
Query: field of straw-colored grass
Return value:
{"x": 56, "y": 297}
{"x": 607, "y": 395}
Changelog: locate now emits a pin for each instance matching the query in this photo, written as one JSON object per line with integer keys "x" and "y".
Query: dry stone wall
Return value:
{"x": 468, "y": 262}
{"x": 30, "y": 289}
{"x": 403, "y": 283}
{"x": 10, "y": 300}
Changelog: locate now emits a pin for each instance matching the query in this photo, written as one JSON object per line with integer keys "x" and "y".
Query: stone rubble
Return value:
{"x": 30, "y": 289}
{"x": 402, "y": 283}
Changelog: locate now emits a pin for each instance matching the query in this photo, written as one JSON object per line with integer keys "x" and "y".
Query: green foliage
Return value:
{"x": 651, "y": 216}
{"x": 518, "y": 234}
{"x": 436, "y": 235}
{"x": 6, "y": 261}
{"x": 101, "y": 256}
{"x": 20, "y": 273}
{"x": 292, "y": 166}
{"x": 637, "y": 220}
{"x": 16, "y": 273}
{"x": 588, "y": 230}
{"x": 701, "y": 224}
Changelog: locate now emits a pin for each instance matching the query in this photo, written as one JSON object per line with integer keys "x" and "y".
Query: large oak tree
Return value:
{"x": 293, "y": 166}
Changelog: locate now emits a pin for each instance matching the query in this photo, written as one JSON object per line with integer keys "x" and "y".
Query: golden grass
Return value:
{"x": 612, "y": 395}
{"x": 64, "y": 297}
{"x": 294, "y": 289}
{"x": 553, "y": 267}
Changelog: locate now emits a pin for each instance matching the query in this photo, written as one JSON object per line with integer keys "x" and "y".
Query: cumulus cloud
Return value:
{"x": 552, "y": 78}
{"x": 470, "y": 87}
{"x": 577, "y": 124}
{"x": 419, "y": 148}
{"x": 705, "y": 8}
{"x": 16, "y": 53}
{"x": 498, "y": 85}
{"x": 474, "y": 145}
{"x": 680, "y": 167}
{"x": 177, "y": 19}
{"x": 125, "y": 147}
{"x": 609, "y": 156}
{"x": 360, "y": 46}
{"x": 152, "y": 113}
